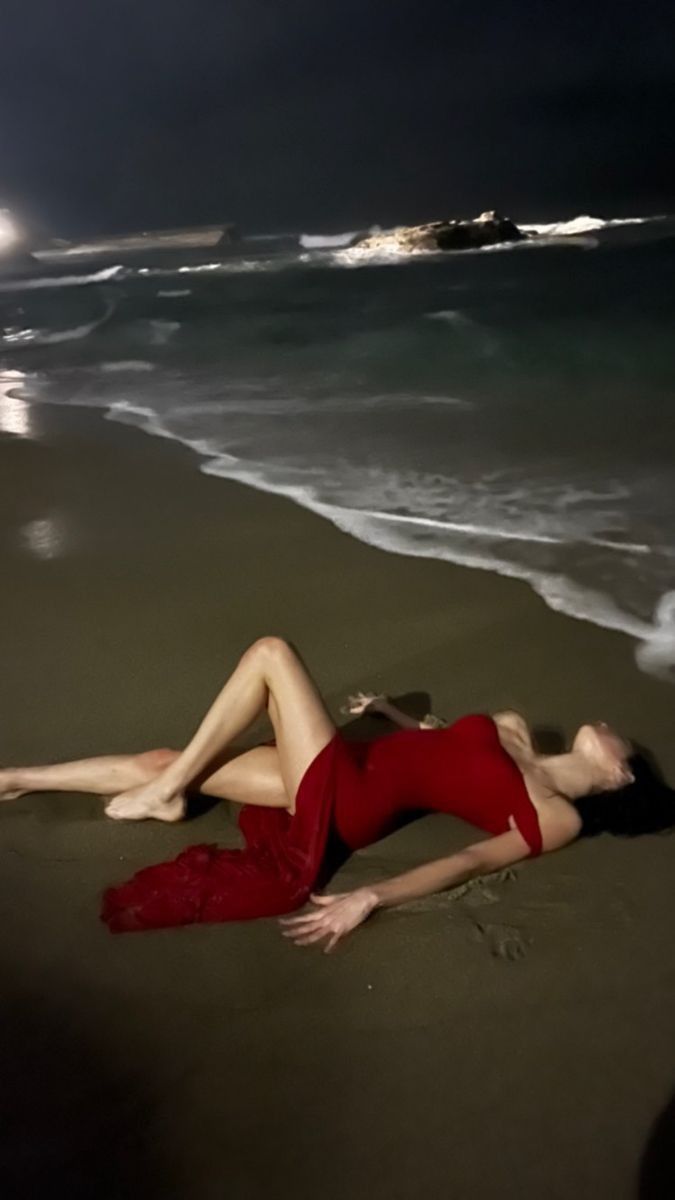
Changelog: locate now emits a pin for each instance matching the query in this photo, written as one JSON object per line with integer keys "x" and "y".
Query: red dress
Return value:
{"x": 352, "y": 794}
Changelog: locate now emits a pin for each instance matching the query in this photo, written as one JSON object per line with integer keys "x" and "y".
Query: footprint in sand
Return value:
{"x": 473, "y": 894}
{"x": 503, "y": 941}
{"x": 479, "y": 895}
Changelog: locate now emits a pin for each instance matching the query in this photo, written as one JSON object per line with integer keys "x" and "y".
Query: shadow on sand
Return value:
{"x": 657, "y": 1168}
{"x": 76, "y": 1121}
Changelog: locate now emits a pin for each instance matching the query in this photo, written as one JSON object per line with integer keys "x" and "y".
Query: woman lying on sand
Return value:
{"x": 310, "y": 792}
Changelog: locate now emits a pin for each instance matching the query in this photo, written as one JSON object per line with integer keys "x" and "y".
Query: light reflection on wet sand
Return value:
{"x": 45, "y": 537}
{"x": 16, "y": 413}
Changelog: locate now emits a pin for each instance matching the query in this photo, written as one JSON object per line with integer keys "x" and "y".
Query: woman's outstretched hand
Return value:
{"x": 333, "y": 917}
{"x": 363, "y": 702}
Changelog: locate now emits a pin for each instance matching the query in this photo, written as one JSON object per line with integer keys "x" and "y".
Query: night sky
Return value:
{"x": 332, "y": 114}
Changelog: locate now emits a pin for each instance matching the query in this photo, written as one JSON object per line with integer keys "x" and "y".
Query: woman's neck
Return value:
{"x": 570, "y": 774}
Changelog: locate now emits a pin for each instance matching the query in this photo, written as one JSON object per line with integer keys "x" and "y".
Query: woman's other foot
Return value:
{"x": 144, "y": 804}
{"x": 9, "y": 789}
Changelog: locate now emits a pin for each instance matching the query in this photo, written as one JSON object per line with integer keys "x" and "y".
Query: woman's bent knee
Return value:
{"x": 157, "y": 760}
{"x": 271, "y": 649}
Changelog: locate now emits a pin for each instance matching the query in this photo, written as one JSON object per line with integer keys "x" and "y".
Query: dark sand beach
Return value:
{"x": 514, "y": 1039}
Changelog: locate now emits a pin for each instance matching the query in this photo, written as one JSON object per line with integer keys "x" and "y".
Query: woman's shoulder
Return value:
{"x": 512, "y": 724}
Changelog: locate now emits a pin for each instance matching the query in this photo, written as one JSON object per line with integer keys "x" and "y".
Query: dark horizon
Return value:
{"x": 325, "y": 119}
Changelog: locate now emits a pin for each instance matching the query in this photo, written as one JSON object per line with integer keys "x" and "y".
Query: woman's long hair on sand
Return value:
{"x": 645, "y": 806}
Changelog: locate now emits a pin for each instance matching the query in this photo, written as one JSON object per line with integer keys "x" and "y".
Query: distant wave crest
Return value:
{"x": 60, "y": 281}
{"x": 235, "y": 266}
{"x": 584, "y": 224}
{"x": 17, "y": 338}
{"x": 125, "y": 364}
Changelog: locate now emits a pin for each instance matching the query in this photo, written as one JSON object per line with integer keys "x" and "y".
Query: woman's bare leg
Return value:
{"x": 269, "y": 676}
{"x": 250, "y": 777}
{"x": 103, "y": 775}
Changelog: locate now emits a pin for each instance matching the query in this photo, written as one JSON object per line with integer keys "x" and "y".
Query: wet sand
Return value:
{"x": 510, "y": 1040}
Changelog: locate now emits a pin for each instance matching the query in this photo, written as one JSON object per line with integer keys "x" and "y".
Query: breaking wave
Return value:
{"x": 126, "y": 364}
{"x": 235, "y": 266}
{"x": 481, "y": 544}
{"x": 106, "y": 275}
{"x": 478, "y": 434}
{"x": 585, "y": 224}
{"x": 16, "y": 338}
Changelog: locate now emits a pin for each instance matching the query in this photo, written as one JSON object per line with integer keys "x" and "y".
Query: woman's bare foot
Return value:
{"x": 143, "y": 804}
{"x": 8, "y": 788}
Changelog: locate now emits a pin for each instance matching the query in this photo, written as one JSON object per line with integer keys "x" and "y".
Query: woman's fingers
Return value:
{"x": 332, "y": 917}
{"x": 309, "y": 938}
{"x": 311, "y": 929}
{"x": 304, "y": 922}
{"x": 313, "y": 914}
{"x": 358, "y": 703}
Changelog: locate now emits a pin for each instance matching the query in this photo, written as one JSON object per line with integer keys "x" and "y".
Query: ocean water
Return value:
{"x": 511, "y": 409}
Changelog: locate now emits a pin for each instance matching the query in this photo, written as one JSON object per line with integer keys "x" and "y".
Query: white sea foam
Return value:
{"x": 18, "y": 338}
{"x": 460, "y": 542}
{"x": 245, "y": 401}
{"x": 158, "y": 331}
{"x": 385, "y": 255}
{"x": 172, "y": 293}
{"x": 585, "y": 224}
{"x": 427, "y": 537}
{"x": 61, "y": 281}
{"x": 239, "y": 266}
{"x": 452, "y": 315}
{"x": 487, "y": 343}
{"x": 656, "y": 654}
{"x": 656, "y": 642}
{"x": 495, "y": 532}
{"x": 131, "y": 364}
{"x": 233, "y": 266}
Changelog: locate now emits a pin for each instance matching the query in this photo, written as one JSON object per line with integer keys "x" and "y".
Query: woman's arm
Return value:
{"x": 480, "y": 859}
{"x": 398, "y": 717}
{"x": 371, "y": 703}
{"x": 334, "y": 916}
{"x": 560, "y": 825}
{"x": 337, "y": 915}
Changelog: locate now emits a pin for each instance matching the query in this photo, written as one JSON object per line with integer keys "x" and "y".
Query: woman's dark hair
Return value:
{"x": 645, "y": 806}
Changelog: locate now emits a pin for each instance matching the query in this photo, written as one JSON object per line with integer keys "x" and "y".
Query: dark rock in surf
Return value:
{"x": 488, "y": 229}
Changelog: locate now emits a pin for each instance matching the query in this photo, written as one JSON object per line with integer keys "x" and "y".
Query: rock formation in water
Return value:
{"x": 486, "y": 230}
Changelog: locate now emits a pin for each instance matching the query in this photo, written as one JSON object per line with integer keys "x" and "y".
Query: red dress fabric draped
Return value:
{"x": 356, "y": 792}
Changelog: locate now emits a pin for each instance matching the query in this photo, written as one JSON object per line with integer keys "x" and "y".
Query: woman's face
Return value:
{"x": 608, "y": 751}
